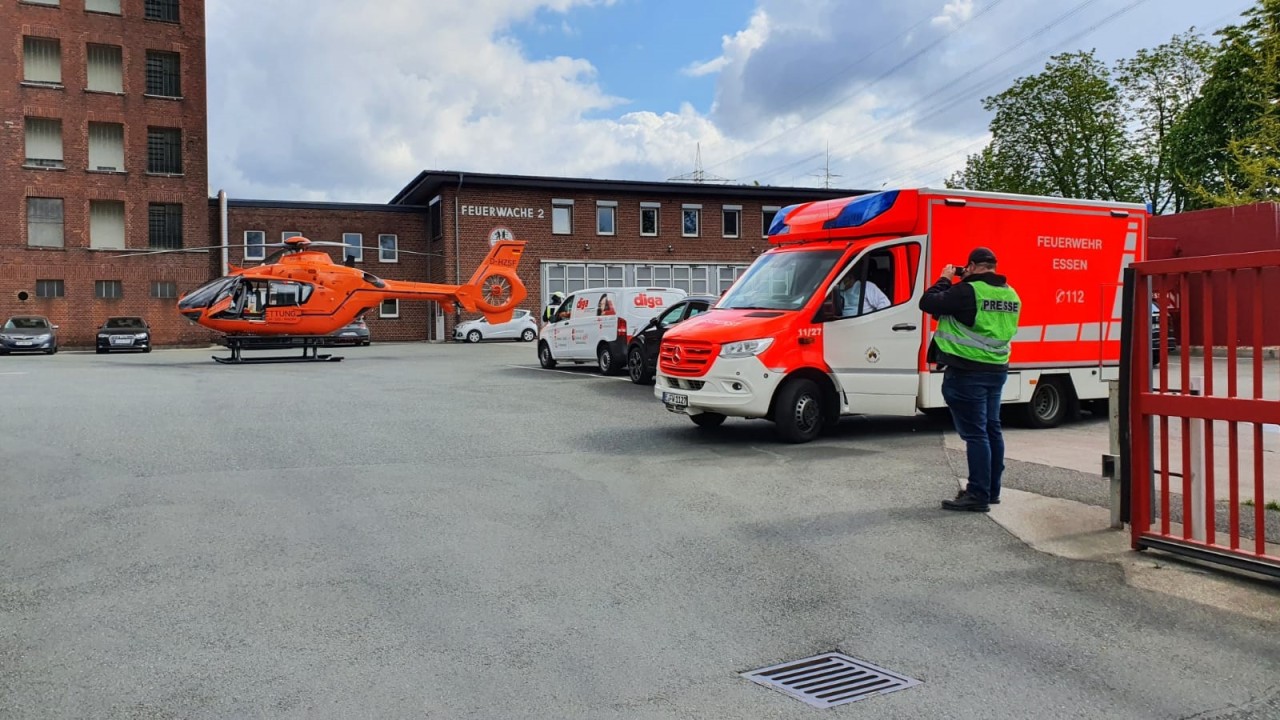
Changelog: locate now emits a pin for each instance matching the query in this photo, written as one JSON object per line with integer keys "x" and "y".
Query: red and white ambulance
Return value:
{"x": 781, "y": 345}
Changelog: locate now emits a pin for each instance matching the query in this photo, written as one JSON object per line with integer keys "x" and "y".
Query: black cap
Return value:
{"x": 982, "y": 255}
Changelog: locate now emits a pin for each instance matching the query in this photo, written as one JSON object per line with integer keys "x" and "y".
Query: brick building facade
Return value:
{"x": 103, "y": 148}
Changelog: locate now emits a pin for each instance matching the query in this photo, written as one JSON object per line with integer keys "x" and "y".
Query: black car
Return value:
{"x": 642, "y": 351}
{"x": 124, "y": 333}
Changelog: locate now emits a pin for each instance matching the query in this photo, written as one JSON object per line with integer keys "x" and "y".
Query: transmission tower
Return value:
{"x": 698, "y": 175}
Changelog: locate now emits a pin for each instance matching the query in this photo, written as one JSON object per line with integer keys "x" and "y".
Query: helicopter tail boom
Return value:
{"x": 493, "y": 290}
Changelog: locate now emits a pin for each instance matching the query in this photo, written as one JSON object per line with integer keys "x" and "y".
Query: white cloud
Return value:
{"x": 954, "y": 14}
{"x": 326, "y": 100}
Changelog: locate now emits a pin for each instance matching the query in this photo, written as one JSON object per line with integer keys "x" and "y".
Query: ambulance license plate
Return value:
{"x": 675, "y": 400}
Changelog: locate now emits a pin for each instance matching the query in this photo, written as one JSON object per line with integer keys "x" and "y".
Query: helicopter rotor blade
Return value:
{"x": 329, "y": 243}
{"x": 128, "y": 253}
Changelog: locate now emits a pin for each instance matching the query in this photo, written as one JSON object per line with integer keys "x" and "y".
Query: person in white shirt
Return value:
{"x": 851, "y": 295}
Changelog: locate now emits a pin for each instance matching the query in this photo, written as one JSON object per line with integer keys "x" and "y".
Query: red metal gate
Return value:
{"x": 1205, "y": 428}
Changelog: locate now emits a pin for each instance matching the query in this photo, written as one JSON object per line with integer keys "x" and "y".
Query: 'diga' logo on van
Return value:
{"x": 643, "y": 300}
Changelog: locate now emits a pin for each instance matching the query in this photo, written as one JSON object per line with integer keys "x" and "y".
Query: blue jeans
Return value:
{"x": 974, "y": 400}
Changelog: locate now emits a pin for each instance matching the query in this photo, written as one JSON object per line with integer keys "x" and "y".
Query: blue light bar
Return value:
{"x": 861, "y": 210}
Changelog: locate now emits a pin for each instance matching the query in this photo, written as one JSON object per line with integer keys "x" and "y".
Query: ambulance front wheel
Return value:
{"x": 797, "y": 411}
{"x": 1049, "y": 404}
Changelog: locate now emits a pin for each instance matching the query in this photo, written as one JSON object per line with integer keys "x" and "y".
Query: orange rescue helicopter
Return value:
{"x": 298, "y": 296}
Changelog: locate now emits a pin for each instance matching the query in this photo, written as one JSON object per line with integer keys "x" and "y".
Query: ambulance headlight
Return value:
{"x": 745, "y": 348}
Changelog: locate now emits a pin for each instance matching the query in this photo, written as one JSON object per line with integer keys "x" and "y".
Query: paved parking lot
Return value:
{"x": 448, "y": 531}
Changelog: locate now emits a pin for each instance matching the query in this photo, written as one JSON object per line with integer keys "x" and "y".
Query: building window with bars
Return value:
{"x": 106, "y": 147}
{"x": 164, "y": 151}
{"x": 41, "y": 61}
{"x": 162, "y": 10}
{"x": 164, "y": 74}
{"x": 44, "y": 142}
{"x": 106, "y": 224}
{"x": 164, "y": 289}
{"x": 108, "y": 289}
{"x": 44, "y": 222}
{"x": 164, "y": 226}
{"x": 49, "y": 289}
{"x": 105, "y": 69}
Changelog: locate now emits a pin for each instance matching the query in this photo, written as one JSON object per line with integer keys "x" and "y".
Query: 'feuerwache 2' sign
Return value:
{"x": 525, "y": 213}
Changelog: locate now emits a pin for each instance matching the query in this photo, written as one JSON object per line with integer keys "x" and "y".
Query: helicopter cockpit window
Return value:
{"x": 207, "y": 294}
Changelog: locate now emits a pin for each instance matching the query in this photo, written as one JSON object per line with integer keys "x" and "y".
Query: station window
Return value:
{"x": 162, "y": 10}
{"x": 106, "y": 147}
{"x": 732, "y": 220}
{"x": 110, "y": 7}
{"x": 649, "y": 219}
{"x": 691, "y": 220}
{"x": 106, "y": 224}
{"x": 164, "y": 74}
{"x": 255, "y": 245}
{"x": 41, "y": 61}
{"x": 165, "y": 289}
{"x": 606, "y": 217}
{"x": 164, "y": 226}
{"x": 388, "y": 249}
{"x": 389, "y": 309}
{"x": 44, "y": 222}
{"x": 49, "y": 289}
{"x": 354, "y": 249}
{"x": 108, "y": 289}
{"x": 44, "y": 142}
{"x": 105, "y": 68}
{"x": 767, "y": 215}
{"x": 164, "y": 151}
{"x": 561, "y": 217}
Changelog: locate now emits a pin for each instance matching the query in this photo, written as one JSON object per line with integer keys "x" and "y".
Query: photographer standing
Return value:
{"x": 977, "y": 318}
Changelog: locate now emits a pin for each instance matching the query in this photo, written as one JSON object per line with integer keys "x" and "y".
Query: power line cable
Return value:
{"x": 934, "y": 158}
{"x": 958, "y": 95}
{"x": 912, "y": 58}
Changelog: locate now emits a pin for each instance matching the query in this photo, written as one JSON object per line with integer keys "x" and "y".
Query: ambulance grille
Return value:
{"x": 682, "y": 384}
{"x": 687, "y": 359}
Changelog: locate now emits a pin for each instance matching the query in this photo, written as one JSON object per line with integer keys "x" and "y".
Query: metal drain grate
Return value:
{"x": 830, "y": 679}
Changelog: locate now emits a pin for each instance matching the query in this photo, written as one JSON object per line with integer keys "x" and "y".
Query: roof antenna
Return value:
{"x": 826, "y": 174}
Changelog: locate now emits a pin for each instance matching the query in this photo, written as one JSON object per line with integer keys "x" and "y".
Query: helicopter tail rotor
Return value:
{"x": 495, "y": 289}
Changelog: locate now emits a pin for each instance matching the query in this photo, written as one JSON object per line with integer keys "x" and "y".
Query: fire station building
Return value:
{"x": 580, "y": 233}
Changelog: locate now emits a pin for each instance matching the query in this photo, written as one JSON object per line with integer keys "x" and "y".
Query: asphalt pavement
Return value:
{"x": 448, "y": 531}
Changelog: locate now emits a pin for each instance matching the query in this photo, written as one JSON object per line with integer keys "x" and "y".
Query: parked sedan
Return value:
{"x": 28, "y": 333}
{"x": 124, "y": 333}
{"x": 355, "y": 332}
{"x": 642, "y": 351}
{"x": 522, "y": 326}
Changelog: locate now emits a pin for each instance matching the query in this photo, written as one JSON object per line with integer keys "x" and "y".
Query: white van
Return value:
{"x": 597, "y": 324}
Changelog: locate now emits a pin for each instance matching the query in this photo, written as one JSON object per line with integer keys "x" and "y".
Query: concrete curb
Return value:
{"x": 1075, "y": 531}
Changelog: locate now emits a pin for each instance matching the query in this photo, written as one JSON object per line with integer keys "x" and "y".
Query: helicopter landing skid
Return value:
{"x": 310, "y": 345}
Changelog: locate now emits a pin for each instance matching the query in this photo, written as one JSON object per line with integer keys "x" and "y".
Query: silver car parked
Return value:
{"x": 28, "y": 333}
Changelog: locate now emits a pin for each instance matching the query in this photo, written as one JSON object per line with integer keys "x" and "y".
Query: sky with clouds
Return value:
{"x": 346, "y": 100}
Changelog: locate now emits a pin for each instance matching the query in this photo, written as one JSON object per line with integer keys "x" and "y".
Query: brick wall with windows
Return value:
{"x": 329, "y": 222}
{"x": 102, "y": 78}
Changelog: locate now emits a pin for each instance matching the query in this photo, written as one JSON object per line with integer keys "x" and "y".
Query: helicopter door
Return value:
{"x": 284, "y": 300}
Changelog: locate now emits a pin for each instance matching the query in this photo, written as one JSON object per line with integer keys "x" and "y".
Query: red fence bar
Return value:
{"x": 1153, "y": 403}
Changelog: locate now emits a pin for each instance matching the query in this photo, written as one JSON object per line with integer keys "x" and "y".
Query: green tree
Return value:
{"x": 1060, "y": 132}
{"x": 1157, "y": 87}
{"x": 1224, "y": 146}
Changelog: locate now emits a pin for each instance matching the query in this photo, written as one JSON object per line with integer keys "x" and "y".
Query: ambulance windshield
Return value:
{"x": 781, "y": 280}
